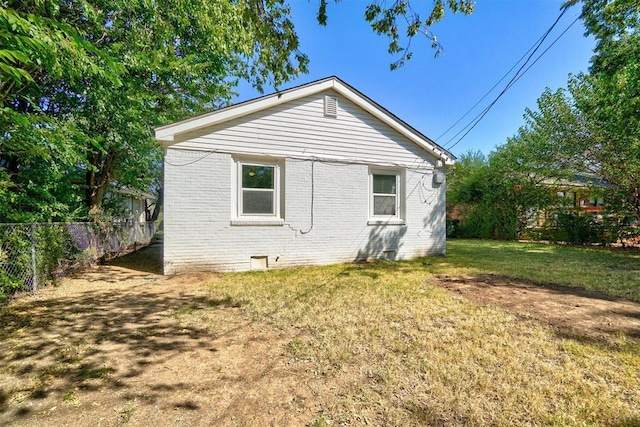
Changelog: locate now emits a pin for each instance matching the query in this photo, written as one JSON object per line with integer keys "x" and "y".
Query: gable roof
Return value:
{"x": 580, "y": 180}
{"x": 167, "y": 134}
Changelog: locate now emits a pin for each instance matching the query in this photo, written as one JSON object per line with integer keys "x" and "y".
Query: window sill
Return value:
{"x": 276, "y": 222}
{"x": 392, "y": 221}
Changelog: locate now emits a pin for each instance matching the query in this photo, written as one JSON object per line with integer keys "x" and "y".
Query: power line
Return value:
{"x": 489, "y": 91}
{"x": 524, "y": 68}
{"x": 486, "y": 110}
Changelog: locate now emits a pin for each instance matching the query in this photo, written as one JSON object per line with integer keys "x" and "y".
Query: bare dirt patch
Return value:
{"x": 575, "y": 313}
{"x": 108, "y": 348}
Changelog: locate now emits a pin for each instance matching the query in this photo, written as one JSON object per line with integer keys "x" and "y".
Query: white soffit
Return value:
{"x": 167, "y": 134}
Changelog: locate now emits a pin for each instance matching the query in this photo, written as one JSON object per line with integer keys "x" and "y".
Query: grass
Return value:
{"x": 398, "y": 350}
{"x": 615, "y": 272}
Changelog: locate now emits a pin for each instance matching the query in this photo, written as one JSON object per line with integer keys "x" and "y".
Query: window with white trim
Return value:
{"x": 385, "y": 201}
{"x": 258, "y": 189}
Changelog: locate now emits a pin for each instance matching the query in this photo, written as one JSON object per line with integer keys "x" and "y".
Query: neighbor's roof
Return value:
{"x": 167, "y": 134}
{"x": 580, "y": 179}
{"x": 134, "y": 193}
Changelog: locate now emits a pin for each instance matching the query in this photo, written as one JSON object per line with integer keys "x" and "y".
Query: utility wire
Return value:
{"x": 490, "y": 90}
{"x": 521, "y": 71}
{"x": 510, "y": 83}
{"x": 486, "y": 110}
{"x": 474, "y": 122}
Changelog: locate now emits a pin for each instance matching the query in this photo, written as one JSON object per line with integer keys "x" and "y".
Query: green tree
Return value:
{"x": 34, "y": 45}
{"x": 174, "y": 59}
{"x": 591, "y": 126}
{"x": 609, "y": 97}
{"x": 486, "y": 197}
{"x": 84, "y": 82}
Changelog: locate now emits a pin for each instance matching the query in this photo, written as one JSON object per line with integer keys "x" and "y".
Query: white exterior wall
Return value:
{"x": 300, "y": 129}
{"x": 199, "y": 192}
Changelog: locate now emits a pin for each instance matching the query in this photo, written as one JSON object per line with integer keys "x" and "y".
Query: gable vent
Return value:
{"x": 330, "y": 106}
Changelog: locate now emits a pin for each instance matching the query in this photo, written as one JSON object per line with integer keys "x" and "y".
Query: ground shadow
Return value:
{"x": 61, "y": 346}
{"x": 147, "y": 259}
{"x": 580, "y": 314}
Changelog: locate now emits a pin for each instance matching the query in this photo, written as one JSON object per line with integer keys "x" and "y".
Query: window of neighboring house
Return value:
{"x": 596, "y": 201}
{"x": 385, "y": 198}
{"x": 258, "y": 189}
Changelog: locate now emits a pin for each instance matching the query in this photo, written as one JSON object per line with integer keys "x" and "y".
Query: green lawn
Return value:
{"x": 395, "y": 349}
{"x": 614, "y": 271}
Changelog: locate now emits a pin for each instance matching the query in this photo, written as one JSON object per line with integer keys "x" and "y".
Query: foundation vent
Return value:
{"x": 260, "y": 262}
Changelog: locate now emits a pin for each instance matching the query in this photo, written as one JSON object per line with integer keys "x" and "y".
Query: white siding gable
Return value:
{"x": 300, "y": 129}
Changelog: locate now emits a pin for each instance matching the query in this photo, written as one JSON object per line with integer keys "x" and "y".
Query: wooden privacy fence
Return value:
{"x": 33, "y": 254}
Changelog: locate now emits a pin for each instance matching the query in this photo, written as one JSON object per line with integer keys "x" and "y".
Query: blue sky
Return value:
{"x": 431, "y": 94}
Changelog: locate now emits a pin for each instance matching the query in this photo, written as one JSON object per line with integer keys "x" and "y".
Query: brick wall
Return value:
{"x": 199, "y": 209}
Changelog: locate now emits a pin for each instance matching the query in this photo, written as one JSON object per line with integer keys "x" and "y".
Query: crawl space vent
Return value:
{"x": 330, "y": 106}
{"x": 260, "y": 262}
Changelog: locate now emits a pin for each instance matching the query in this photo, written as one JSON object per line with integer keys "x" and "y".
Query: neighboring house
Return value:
{"x": 316, "y": 174}
{"x": 135, "y": 204}
{"x": 582, "y": 194}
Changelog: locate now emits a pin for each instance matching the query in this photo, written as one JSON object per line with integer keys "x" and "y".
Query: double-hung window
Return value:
{"x": 385, "y": 201}
{"x": 258, "y": 193}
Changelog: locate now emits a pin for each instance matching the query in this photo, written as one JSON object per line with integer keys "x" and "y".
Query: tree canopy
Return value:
{"x": 594, "y": 125}
{"x": 591, "y": 126}
{"x": 83, "y": 83}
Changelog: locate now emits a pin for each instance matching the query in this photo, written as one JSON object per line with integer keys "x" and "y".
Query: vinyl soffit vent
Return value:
{"x": 330, "y": 106}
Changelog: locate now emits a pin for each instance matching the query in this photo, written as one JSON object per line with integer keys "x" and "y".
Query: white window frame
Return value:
{"x": 277, "y": 191}
{"x": 398, "y": 218}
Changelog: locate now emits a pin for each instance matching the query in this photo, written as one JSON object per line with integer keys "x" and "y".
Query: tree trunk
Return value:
{"x": 98, "y": 182}
{"x": 158, "y": 207}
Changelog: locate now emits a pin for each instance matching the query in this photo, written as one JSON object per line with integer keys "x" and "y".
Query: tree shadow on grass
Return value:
{"x": 97, "y": 340}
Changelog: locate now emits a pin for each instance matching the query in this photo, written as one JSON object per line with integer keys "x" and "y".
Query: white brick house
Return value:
{"x": 316, "y": 174}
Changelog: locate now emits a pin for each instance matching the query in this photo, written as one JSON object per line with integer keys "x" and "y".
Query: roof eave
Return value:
{"x": 166, "y": 135}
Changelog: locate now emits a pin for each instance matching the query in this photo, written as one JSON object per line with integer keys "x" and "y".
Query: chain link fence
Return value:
{"x": 32, "y": 255}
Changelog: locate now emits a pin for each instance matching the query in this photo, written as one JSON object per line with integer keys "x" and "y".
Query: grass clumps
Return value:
{"x": 399, "y": 350}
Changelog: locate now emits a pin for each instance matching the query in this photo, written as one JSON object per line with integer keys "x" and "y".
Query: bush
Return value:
{"x": 453, "y": 228}
{"x": 578, "y": 229}
{"x": 484, "y": 222}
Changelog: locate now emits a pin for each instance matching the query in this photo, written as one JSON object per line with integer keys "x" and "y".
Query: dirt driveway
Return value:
{"x": 107, "y": 348}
